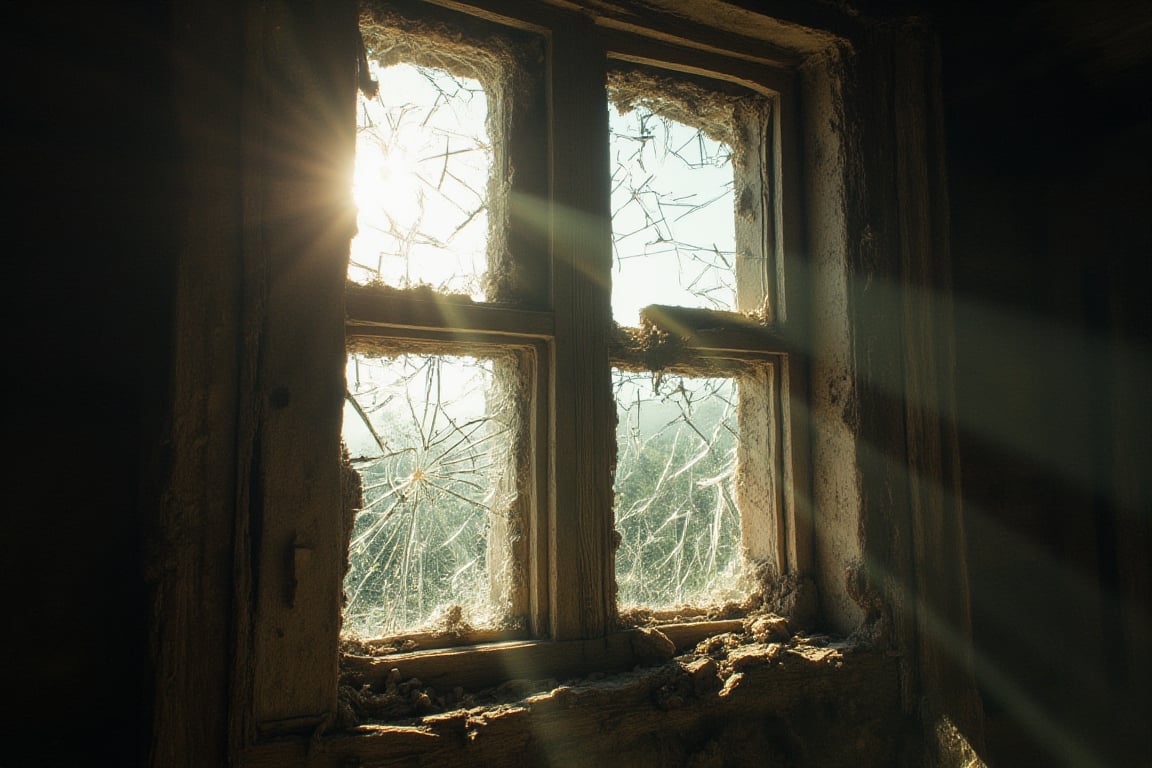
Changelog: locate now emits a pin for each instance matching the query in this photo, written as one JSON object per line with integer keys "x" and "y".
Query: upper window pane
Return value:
{"x": 673, "y": 232}
{"x": 692, "y": 174}
{"x": 424, "y": 163}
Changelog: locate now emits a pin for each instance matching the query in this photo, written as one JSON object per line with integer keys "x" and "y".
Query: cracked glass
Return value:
{"x": 432, "y": 438}
{"x": 421, "y": 182}
{"x": 673, "y": 227}
{"x": 676, "y": 510}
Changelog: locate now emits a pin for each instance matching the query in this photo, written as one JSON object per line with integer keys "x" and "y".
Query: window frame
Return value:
{"x": 250, "y": 514}
{"x": 294, "y": 508}
{"x": 567, "y": 319}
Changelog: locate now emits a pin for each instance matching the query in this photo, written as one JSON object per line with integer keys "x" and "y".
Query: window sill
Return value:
{"x": 484, "y": 665}
{"x": 753, "y": 682}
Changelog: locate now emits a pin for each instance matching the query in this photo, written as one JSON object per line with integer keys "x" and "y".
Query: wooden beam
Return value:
{"x": 375, "y": 307}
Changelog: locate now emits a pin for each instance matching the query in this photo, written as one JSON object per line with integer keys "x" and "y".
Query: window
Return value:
{"x": 568, "y": 395}
{"x": 515, "y": 362}
{"x": 695, "y": 477}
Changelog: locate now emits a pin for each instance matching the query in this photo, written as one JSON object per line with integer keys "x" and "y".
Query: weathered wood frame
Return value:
{"x": 571, "y": 570}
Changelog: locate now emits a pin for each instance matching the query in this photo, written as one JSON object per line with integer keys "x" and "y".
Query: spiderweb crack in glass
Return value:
{"x": 430, "y": 436}
{"x": 423, "y": 168}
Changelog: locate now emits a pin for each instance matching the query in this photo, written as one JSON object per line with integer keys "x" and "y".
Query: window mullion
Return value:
{"x": 583, "y": 440}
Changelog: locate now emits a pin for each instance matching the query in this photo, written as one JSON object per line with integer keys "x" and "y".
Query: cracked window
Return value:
{"x": 690, "y": 240}
{"x": 432, "y": 438}
{"x": 486, "y": 317}
{"x": 673, "y": 234}
{"x": 421, "y": 183}
{"x": 676, "y": 509}
{"x": 438, "y": 410}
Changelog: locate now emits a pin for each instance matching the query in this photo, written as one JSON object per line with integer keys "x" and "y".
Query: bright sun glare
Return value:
{"x": 423, "y": 168}
{"x": 385, "y": 180}
{"x": 424, "y": 165}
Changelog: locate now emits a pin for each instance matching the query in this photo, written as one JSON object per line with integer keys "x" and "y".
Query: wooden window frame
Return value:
{"x": 293, "y": 518}
{"x": 566, "y": 320}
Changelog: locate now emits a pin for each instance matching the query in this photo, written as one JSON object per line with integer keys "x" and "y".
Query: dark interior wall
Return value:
{"x": 88, "y": 259}
{"x": 1047, "y": 113}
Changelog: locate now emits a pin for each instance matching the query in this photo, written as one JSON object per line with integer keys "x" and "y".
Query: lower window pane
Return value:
{"x": 675, "y": 491}
{"x": 432, "y": 437}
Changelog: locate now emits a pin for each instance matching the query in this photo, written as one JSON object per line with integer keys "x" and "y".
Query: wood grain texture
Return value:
{"x": 369, "y": 307}
{"x": 581, "y": 560}
{"x": 189, "y": 545}
{"x": 940, "y": 547}
{"x": 306, "y": 94}
{"x": 480, "y": 666}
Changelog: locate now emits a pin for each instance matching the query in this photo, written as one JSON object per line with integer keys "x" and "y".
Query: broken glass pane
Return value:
{"x": 423, "y": 164}
{"x": 430, "y": 436}
{"x": 675, "y": 490}
{"x": 673, "y": 225}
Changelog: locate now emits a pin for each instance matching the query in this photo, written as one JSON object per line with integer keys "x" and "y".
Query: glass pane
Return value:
{"x": 423, "y": 164}
{"x": 431, "y": 440}
{"x": 673, "y": 225}
{"x": 675, "y": 490}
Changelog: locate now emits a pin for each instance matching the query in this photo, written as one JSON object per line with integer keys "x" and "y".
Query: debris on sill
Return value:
{"x": 446, "y": 631}
{"x": 419, "y": 291}
{"x": 646, "y": 617}
{"x": 714, "y": 668}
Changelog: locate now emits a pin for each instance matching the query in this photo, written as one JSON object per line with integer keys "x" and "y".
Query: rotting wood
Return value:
{"x": 667, "y": 27}
{"x": 295, "y": 486}
{"x": 189, "y": 543}
{"x": 593, "y": 721}
{"x": 627, "y": 48}
{"x": 939, "y": 547}
{"x": 721, "y": 331}
{"x": 532, "y": 665}
{"x": 487, "y": 665}
{"x": 416, "y": 641}
{"x": 518, "y": 729}
{"x": 687, "y": 635}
